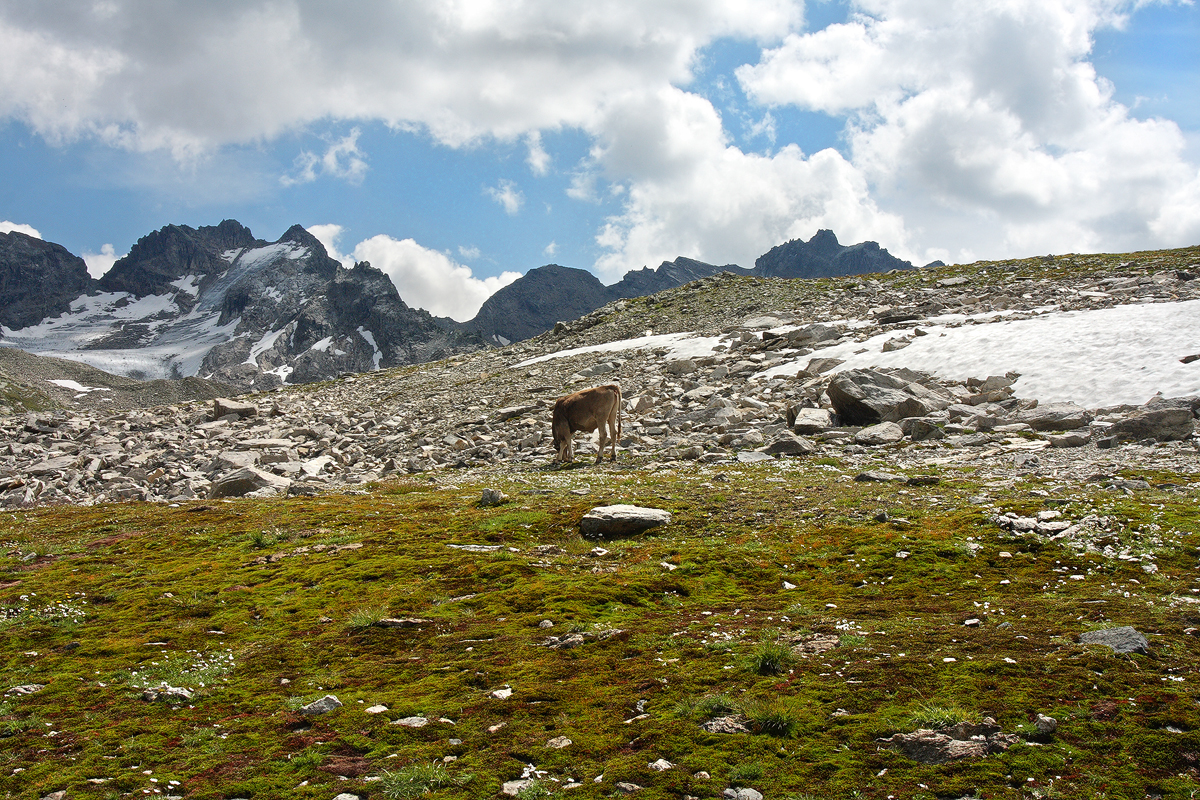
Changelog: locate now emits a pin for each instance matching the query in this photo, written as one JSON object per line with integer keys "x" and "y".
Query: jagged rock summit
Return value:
{"x": 823, "y": 256}
{"x": 218, "y": 303}
{"x": 547, "y": 295}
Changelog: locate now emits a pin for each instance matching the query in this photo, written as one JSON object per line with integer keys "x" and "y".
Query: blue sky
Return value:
{"x": 459, "y": 144}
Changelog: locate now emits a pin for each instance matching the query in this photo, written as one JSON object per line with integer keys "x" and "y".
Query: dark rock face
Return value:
{"x": 535, "y": 301}
{"x": 38, "y": 279}
{"x": 646, "y": 281}
{"x": 174, "y": 252}
{"x": 823, "y": 257}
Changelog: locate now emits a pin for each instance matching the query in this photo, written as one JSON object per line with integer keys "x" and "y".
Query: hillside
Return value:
{"x": 836, "y": 607}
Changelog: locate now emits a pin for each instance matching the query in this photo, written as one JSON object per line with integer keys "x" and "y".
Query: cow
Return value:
{"x": 586, "y": 411}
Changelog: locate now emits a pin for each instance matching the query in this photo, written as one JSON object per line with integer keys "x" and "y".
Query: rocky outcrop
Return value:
{"x": 823, "y": 256}
{"x": 668, "y": 275}
{"x": 38, "y": 279}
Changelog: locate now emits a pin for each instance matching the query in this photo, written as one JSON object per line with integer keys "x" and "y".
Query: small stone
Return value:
{"x": 628, "y": 788}
{"x": 493, "y": 497}
{"x": 972, "y": 623}
{"x": 742, "y": 793}
{"x": 513, "y": 788}
{"x": 376, "y": 709}
{"x": 546, "y": 624}
{"x": 1045, "y": 725}
{"x": 621, "y": 520}
{"x": 346, "y": 796}
{"x": 661, "y": 765}
{"x": 411, "y": 722}
{"x": 323, "y": 706}
{"x": 502, "y": 694}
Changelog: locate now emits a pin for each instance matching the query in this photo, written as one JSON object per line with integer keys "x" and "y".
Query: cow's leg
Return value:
{"x": 600, "y": 449}
{"x": 612, "y": 427}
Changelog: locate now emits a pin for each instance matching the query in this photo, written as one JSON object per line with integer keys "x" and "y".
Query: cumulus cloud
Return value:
{"x": 28, "y": 230}
{"x": 342, "y": 159}
{"x": 100, "y": 263}
{"x": 220, "y": 72}
{"x": 692, "y": 193}
{"x": 507, "y": 195}
{"x": 987, "y": 127}
{"x": 428, "y": 279}
{"x": 550, "y": 249}
{"x": 329, "y": 235}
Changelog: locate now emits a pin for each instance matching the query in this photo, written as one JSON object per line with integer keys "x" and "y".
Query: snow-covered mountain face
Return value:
{"x": 218, "y": 303}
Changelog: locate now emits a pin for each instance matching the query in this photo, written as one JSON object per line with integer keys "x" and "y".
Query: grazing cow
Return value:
{"x": 586, "y": 411}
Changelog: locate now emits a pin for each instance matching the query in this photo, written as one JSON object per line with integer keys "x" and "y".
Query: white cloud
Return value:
{"x": 550, "y": 249}
{"x": 469, "y": 253}
{"x": 328, "y": 235}
{"x": 28, "y": 230}
{"x": 692, "y": 193}
{"x": 986, "y": 126}
{"x": 342, "y": 159}
{"x": 538, "y": 159}
{"x": 429, "y": 279}
{"x": 507, "y": 195}
{"x": 100, "y": 263}
{"x": 189, "y": 77}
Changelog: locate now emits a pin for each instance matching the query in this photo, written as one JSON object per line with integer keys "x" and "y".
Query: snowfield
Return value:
{"x": 1097, "y": 358}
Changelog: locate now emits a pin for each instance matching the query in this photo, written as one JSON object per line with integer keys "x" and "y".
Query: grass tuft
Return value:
{"x": 418, "y": 779}
{"x": 771, "y": 658}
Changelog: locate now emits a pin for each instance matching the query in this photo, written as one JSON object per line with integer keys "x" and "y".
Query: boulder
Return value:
{"x": 1056, "y": 417}
{"x": 867, "y": 397}
{"x": 1125, "y": 639}
{"x": 789, "y": 445}
{"x": 883, "y": 433}
{"x": 249, "y": 480}
{"x": 223, "y": 406}
{"x": 811, "y": 420}
{"x": 920, "y": 429}
{"x": 621, "y": 520}
{"x": 1163, "y": 424}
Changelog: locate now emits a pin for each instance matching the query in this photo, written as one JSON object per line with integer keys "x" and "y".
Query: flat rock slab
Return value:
{"x": 401, "y": 622}
{"x": 1125, "y": 639}
{"x": 621, "y": 520}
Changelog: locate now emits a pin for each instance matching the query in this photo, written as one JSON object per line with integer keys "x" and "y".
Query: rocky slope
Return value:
{"x": 217, "y": 303}
{"x": 490, "y": 409}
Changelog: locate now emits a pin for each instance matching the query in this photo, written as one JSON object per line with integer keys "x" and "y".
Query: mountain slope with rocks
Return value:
{"x": 718, "y": 370}
{"x": 814, "y": 568}
{"x": 217, "y": 303}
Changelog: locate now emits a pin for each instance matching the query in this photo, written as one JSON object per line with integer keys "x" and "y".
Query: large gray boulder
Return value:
{"x": 249, "y": 480}
{"x": 621, "y": 520}
{"x": 1056, "y": 417}
{"x": 868, "y": 397}
{"x": 1163, "y": 424}
{"x": 1125, "y": 639}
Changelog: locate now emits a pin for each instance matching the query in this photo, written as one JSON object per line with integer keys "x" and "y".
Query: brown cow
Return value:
{"x": 586, "y": 411}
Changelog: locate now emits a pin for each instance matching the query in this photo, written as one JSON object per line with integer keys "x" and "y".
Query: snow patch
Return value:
{"x": 188, "y": 283}
{"x": 76, "y": 386}
{"x": 264, "y": 344}
{"x": 322, "y": 345}
{"x": 370, "y": 337}
{"x": 1093, "y": 357}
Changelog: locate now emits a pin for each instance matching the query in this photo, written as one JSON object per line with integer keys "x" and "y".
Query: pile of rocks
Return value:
{"x": 491, "y": 409}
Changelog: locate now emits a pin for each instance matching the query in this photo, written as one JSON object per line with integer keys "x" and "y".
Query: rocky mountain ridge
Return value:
{"x": 490, "y": 409}
{"x": 218, "y": 303}
{"x": 548, "y": 295}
